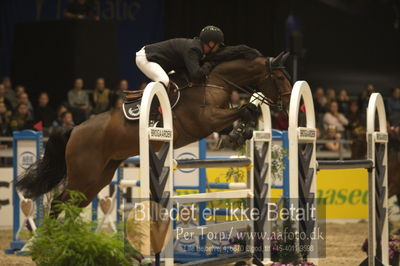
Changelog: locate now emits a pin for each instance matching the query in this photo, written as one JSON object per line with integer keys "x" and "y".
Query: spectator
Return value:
{"x": 3, "y": 99}
{"x": 101, "y": 97}
{"x": 122, "y": 86}
{"x": 319, "y": 100}
{"x": 330, "y": 95}
{"x": 78, "y": 100}
{"x": 334, "y": 118}
{"x": 332, "y": 134}
{"x": 318, "y": 133}
{"x": 319, "y": 106}
{"x": 116, "y": 97}
{"x": 67, "y": 120}
{"x": 19, "y": 90}
{"x": 280, "y": 121}
{"x": 5, "y": 117}
{"x": 363, "y": 99}
{"x": 393, "y": 107}
{"x": 356, "y": 119}
{"x": 23, "y": 98}
{"x": 22, "y": 119}
{"x": 58, "y": 121}
{"x": 9, "y": 92}
{"x": 43, "y": 112}
{"x": 81, "y": 9}
{"x": 343, "y": 101}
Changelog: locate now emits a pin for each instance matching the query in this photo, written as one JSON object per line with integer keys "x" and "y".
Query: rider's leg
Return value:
{"x": 156, "y": 73}
{"x": 151, "y": 69}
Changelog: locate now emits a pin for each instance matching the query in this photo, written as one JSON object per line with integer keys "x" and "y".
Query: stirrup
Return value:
{"x": 171, "y": 86}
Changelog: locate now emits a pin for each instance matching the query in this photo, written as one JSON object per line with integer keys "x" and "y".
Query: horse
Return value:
{"x": 85, "y": 158}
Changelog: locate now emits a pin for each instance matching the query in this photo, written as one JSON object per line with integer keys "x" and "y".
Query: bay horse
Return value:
{"x": 85, "y": 158}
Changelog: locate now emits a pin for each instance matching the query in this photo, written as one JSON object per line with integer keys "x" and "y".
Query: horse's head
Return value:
{"x": 243, "y": 68}
{"x": 275, "y": 84}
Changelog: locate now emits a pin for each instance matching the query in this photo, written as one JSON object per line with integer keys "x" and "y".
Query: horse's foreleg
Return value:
{"x": 220, "y": 118}
{"x": 243, "y": 130}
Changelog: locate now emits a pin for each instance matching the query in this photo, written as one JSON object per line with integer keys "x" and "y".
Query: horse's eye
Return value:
{"x": 281, "y": 77}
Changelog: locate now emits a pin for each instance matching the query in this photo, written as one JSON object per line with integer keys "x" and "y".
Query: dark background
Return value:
{"x": 347, "y": 44}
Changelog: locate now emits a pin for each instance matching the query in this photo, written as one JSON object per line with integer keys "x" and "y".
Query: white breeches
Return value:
{"x": 152, "y": 70}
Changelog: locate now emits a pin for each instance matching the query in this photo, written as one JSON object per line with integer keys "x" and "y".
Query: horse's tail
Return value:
{"x": 48, "y": 172}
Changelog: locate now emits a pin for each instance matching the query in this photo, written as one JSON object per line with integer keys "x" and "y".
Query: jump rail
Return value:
{"x": 211, "y": 163}
{"x": 348, "y": 164}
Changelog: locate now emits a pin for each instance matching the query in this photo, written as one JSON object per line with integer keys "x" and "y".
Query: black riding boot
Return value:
{"x": 155, "y": 116}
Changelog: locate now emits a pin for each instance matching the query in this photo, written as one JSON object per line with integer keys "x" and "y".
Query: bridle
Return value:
{"x": 260, "y": 97}
{"x": 279, "y": 103}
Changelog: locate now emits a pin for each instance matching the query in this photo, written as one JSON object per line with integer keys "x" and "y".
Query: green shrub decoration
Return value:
{"x": 72, "y": 240}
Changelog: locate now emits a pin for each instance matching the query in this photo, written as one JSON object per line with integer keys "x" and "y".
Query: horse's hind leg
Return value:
{"x": 54, "y": 211}
{"x": 88, "y": 179}
{"x": 108, "y": 174}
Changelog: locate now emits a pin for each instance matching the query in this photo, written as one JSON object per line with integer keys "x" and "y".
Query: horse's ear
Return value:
{"x": 275, "y": 62}
{"x": 280, "y": 60}
{"x": 268, "y": 62}
{"x": 284, "y": 57}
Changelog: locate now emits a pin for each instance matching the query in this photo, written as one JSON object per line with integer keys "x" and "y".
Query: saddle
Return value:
{"x": 132, "y": 100}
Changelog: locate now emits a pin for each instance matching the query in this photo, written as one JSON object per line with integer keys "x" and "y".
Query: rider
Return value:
{"x": 156, "y": 60}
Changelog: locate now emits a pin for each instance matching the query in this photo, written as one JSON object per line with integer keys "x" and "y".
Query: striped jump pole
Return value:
{"x": 156, "y": 169}
{"x": 378, "y": 228}
{"x": 260, "y": 147}
{"x": 27, "y": 149}
{"x": 302, "y": 167}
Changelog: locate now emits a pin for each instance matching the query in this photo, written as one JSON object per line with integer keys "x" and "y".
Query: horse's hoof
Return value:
{"x": 220, "y": 144}
{"x": 223, "y": 141}
{"x": 248, "y": 133}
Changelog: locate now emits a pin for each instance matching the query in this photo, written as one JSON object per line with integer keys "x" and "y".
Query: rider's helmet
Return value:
{"x": 212, "y": 34}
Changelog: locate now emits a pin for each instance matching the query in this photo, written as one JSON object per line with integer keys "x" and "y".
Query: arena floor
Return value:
{"x": 343, "y": 246}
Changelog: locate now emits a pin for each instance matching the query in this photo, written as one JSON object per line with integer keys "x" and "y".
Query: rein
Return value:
{"x": 262, "y": 98}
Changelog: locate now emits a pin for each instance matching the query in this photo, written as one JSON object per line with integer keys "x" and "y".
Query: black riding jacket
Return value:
{"x": 179, "y": 53}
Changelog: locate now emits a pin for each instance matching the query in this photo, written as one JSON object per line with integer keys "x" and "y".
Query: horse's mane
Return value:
{"x": 225, "y": 54}
{"x": 230, "y": 53}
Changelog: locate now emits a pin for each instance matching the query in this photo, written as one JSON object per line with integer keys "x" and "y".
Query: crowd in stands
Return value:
{"x": 338, "y": 115}
{"x": 18, "y": 111}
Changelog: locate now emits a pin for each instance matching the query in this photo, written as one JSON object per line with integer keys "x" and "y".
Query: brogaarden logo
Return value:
{"x": 134, "y": 112}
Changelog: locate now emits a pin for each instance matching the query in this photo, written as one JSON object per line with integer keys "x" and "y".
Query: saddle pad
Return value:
{"x": 132, "y": 109}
